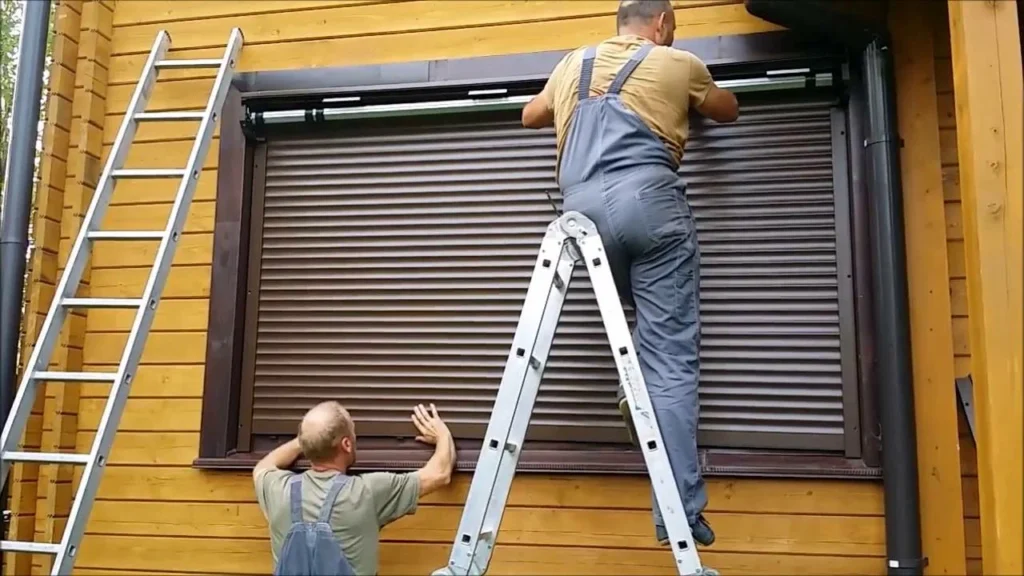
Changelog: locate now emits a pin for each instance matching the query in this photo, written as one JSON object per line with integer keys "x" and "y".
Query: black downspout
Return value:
{"x": 892, "y": 316}
{"x": 893, "y": 373}
{"x": 17, "y": 202}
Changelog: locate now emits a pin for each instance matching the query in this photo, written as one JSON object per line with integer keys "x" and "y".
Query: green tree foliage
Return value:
{"x": 10, "y": 26}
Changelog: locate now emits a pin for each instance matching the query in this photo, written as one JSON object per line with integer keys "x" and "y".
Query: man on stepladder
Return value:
{"x": 620, "y": 112}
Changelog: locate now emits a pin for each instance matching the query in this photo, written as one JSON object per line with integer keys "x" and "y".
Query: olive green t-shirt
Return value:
{"x": 364, "y": 506}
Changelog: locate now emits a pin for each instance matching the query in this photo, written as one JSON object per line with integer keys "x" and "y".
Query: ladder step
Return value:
{"x": 169, "y": 116}
{"x": 47, "y": 457}
{"x": 126, "y": 235}
{"x": 196, "y": 63}
{"x": 149, "y": 173}
{"x": 102, "y": 302}
{"x": 75, "y": 376}
{"x": 30, "y": 547}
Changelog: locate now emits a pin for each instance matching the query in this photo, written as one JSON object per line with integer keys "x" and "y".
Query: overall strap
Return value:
{"x": 295, "y": 489}
{"x": 339, "y": 482}
{"x": 629, "y": 67}
{"x": 587, "y": 72}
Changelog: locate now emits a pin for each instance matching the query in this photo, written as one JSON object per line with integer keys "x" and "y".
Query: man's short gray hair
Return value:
{"x": 640, "y": 11}
{"x": 322, "y": 429}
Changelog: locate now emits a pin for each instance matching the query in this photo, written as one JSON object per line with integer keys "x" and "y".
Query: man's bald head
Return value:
{"x": 652, "y": 19}
{"x": 323, "y": 430}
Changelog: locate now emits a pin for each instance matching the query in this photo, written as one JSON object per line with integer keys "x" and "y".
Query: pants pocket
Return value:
{"x": 665, "y": 212}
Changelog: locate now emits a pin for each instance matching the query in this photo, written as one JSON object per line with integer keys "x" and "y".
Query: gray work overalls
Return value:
{"x": 617, "y": 172}
{"x": 309, "y": 548}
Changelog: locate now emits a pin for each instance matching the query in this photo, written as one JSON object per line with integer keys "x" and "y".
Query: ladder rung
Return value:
{"x": 30, "y": 547}
{"x": 102, "y": 302}
{"x": 196, "y": 63}
{"x": 149, "y": 173}
{"x": 126, "y": 234}
{"x": 169, "y": 116}
{"x": 75, "y": 376}
{"x": 47, "y": 457}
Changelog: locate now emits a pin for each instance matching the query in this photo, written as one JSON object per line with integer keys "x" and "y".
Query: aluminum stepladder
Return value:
{"x": 568, "y": 239}
{"x": 65, "y": 294}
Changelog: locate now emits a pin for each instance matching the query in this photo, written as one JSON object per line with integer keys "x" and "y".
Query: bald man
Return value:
{"x": 621, "y": 111}
{"x": 363, "y": 504}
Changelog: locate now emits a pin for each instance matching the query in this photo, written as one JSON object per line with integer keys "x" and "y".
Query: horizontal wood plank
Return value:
{"x": 534, "y": 526}
{"x": 123, "y": 282}
{"x": 253, "y": 557}
{"x": 134, "y": 12}
{"x": 161, "y": 348}
{"x": 153, "y": 131}
{"x": 418, "y": 46}
{"x": 200, "y": 217}
{"x": 947, "y": 146}
{"x": 166, "y": 154}
{"x": 171, "y": 315}
{"x": 951, "y": 183}
{"x": 147, "y": 449}
{"x": 154, "y": 381}
{"x": 162, "y": 191}
{"x": 961, "y": 336}
{"x": 955, "y": 253}
{"x": 954, "y": 221}
{"x": 947, "y": 111}
{"x": 958, "y": 296}
{"x": 192, "y": 249}
{"x": 358, "y": 20}
{"x": 145, "y": 414}
{"x": 823, "y": 497}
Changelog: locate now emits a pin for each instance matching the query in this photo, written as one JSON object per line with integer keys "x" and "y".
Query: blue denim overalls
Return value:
{"x": 617, "y": 172}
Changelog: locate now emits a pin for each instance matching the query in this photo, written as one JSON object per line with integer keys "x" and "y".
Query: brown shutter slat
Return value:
{"x": 395, "y": 262}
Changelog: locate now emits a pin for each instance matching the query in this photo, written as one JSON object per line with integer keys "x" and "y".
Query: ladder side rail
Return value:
{"x": 521, "y": 418}
{"x": 648, "y": 432}
{"x": 144, "y": 317}
{"x": 509, "y": 391}
{"x": 67, "y": 286}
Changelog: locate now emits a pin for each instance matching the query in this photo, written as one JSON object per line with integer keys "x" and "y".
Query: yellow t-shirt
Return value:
{"x": 660, "y": 91}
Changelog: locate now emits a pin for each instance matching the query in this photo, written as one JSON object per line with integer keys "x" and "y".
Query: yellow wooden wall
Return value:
{"x": 154, "y": 512}
{"x": 957, "y": 274}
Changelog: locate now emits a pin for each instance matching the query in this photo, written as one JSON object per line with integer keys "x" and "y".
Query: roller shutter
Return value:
{"x": 395, "y": 260}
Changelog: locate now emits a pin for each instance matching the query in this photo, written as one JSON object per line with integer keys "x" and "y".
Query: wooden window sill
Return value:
{"x": 560, "y": 458}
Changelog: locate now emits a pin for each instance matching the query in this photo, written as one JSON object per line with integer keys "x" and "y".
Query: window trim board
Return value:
{"x": 228, "y": 275}
{"x": 250, "y": 307}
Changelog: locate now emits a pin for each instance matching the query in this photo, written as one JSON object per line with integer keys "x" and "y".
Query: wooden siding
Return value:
{"x": 986, "y": 60}
{"x": 154, "y": 512}
{"x": 951, "y": 191}
{"x": 938, "y": 458}
{"x": 957, "y": 275}
{"x": 58, "y": 146}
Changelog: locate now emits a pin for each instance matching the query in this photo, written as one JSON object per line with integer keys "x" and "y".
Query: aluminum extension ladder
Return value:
{"x": 145, "y": 306}
{"x": 570, "y": 238}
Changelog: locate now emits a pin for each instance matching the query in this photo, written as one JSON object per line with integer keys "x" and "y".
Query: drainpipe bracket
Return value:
{"x": 904, "y": 564}
{"x": 883, "y": 140}
{"x": 965, "y": 391}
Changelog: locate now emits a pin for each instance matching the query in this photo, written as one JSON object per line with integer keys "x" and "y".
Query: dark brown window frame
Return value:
{"x": 221, "y": 443}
